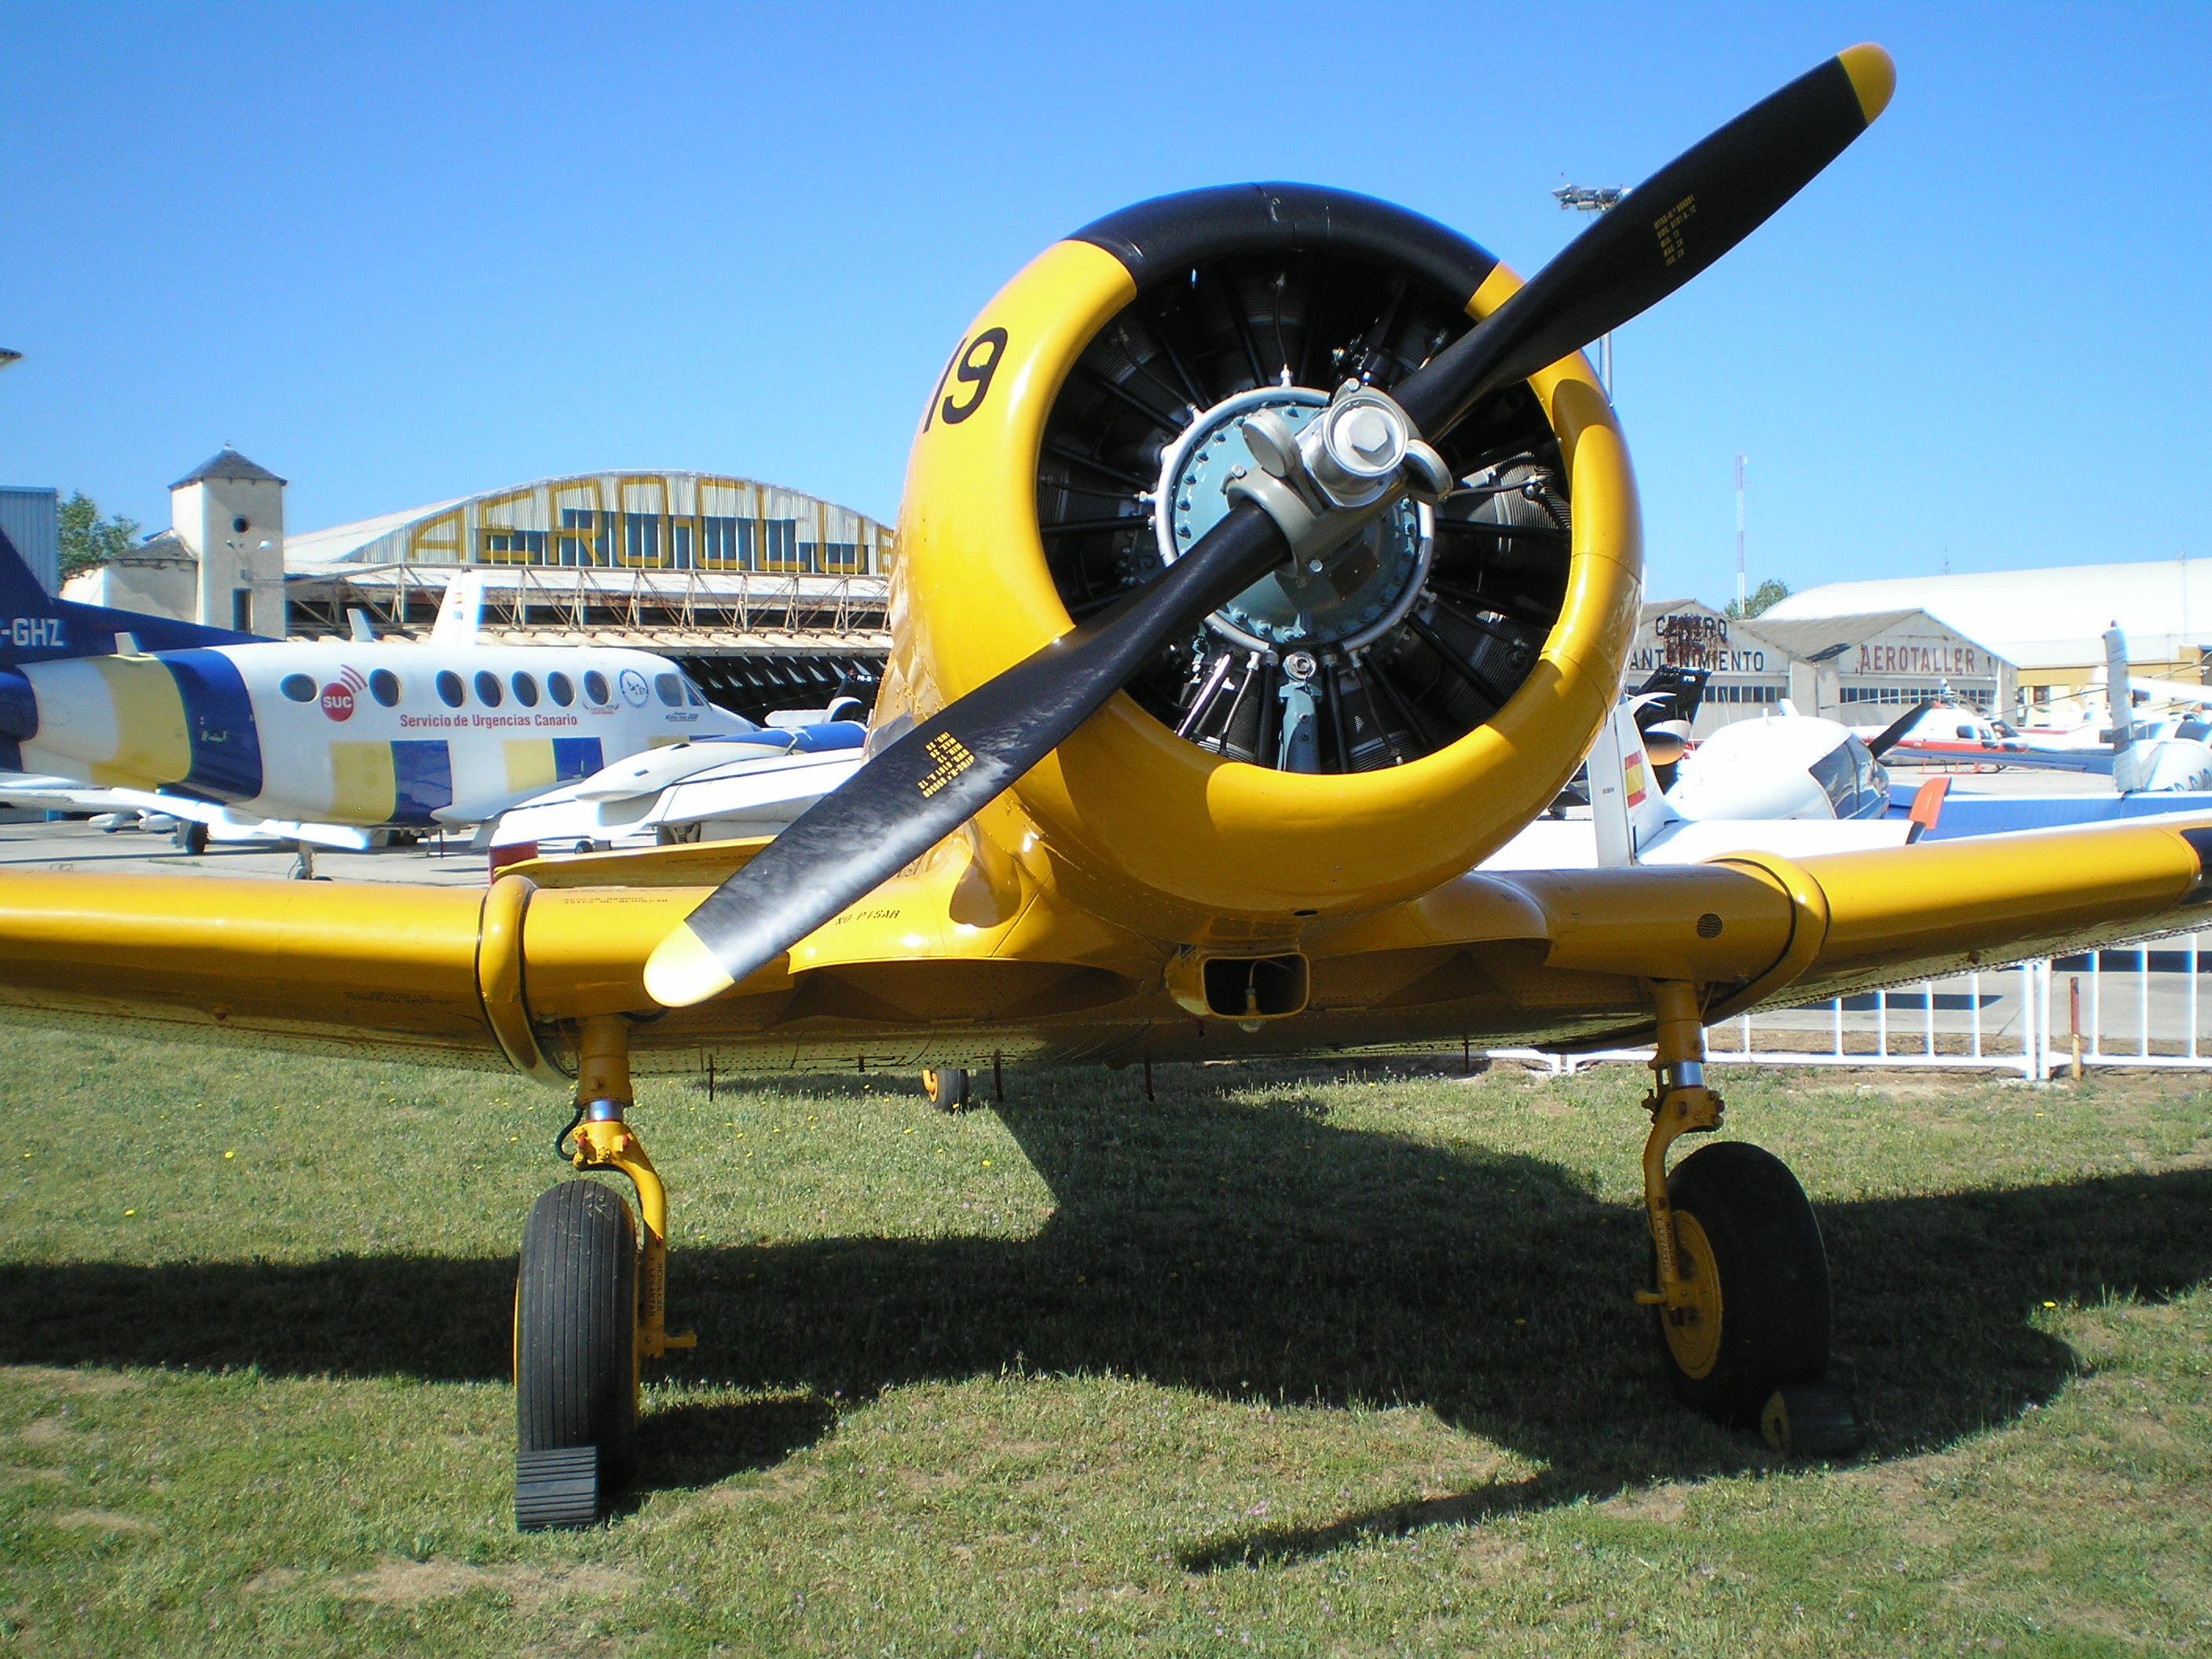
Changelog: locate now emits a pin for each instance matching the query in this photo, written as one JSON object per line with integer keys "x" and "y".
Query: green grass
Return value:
{"x": 1292, "y": 1361}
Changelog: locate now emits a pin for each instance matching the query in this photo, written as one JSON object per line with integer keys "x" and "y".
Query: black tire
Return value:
{"x": 1763, "y": 1247}
{"x": 1810, "y": 1421}
{"x": 576, "y": 1355}
{"x": 946, "y": 1087}
{"x": 192, "y": 836}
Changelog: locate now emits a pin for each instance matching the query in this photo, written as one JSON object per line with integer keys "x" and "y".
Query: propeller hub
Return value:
{"x": 1344, "y": 598}
{"x": 1362, "y": 439}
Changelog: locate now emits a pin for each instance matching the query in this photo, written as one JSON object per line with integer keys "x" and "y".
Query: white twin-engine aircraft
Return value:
{"x": 321, "y": 741}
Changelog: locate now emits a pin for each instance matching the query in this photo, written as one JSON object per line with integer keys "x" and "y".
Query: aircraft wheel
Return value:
{"x": 575, "y": 1356}
{"x": 947, "y": 1089}
{"x": 1747, "y": 1241}
{"x": 192, "y": 836}
{"x": 1810, "y": 1420}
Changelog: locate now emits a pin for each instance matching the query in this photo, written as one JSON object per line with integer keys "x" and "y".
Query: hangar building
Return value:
{"x": 2049, "y": 622}
{"x": 1863, "y": 669}
{"x": 769, "y": 598}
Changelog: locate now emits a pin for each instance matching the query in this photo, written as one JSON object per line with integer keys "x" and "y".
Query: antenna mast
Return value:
{"x": 1742, "y": 598}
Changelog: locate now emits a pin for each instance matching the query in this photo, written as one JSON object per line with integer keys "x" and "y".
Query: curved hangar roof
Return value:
{"x": 614, "y": 521}
{"x": 2052, "y": 618}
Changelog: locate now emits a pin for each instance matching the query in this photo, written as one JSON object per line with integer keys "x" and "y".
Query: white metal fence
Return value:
{"x": 2137, "y": 1006}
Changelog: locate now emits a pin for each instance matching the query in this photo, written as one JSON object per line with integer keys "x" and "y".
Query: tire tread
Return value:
{"x": 576, "y": 1313}
{"x": 1776, "y": 1309}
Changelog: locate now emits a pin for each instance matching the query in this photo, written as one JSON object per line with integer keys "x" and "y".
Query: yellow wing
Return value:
{"x": 939, "y": 962}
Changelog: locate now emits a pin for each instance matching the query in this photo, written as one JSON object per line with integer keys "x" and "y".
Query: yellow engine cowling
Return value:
{"x": 1183, "y": 838}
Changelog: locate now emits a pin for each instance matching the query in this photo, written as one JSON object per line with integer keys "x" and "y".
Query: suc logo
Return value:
{"x": 337, "y": 702}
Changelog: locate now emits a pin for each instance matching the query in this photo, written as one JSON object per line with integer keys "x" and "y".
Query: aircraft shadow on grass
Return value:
{"x": 1248, "y": 1252}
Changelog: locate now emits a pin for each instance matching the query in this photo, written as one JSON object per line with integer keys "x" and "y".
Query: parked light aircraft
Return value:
{"x": 314, "y": 740}
{"x": 1788, "y": 766}
{"x": 742, "y": 786}
{"x": 2148, "y": 760}
{"x": 1795, "y": 785}
{"x": 2156, "y": 708}
{"x": 748, "y": 784}
{"x": 1788, "y": 784}
{"x": 1946, "y": 730}
{"x": 2160, "y": 754}
{"x": 1269, "y": 557}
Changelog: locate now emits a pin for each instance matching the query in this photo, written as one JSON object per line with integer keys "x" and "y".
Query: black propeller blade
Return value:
{"x": 1664, "y": 232}
{"x": 937, "y": 776}
{"x": 1896, "y": 732}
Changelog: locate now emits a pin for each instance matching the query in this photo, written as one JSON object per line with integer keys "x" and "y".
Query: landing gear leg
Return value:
{"x": 590, "y": 1305}
{"x": 1740, "y": 1294}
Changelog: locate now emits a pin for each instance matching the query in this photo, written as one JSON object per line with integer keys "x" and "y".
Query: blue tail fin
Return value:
{"x": 36, "y": 627}
{"x": 30, "y": 618}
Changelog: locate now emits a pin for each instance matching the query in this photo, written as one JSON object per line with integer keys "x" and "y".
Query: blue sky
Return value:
{"x": 400, "y": 253}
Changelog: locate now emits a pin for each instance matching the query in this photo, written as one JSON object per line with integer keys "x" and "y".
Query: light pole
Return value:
{"x": 1599, "y": 198}
{"x": 1742, "y": 603}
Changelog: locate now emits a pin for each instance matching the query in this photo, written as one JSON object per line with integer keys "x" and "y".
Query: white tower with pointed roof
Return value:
{"x": 229, "y": 513}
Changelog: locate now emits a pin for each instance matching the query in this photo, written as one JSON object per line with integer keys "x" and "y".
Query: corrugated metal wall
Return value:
{"x": 32, "y": 522}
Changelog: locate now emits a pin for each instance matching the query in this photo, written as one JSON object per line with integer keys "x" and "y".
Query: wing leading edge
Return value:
{"x": 939, "y": 961}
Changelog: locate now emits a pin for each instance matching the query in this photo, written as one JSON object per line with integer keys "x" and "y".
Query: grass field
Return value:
{"x": 1290, "y": 1361}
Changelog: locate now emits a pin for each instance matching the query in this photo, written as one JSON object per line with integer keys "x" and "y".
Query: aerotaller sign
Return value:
{"x": 1922, "y": 659}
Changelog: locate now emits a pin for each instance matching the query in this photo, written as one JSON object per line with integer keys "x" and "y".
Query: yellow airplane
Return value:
{"x": 1269, "y": 557}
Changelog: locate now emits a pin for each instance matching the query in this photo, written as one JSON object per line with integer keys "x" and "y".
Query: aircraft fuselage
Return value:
{"x": 367, "y": 733}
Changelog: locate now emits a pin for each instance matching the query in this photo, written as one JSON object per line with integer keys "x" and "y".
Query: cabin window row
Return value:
{"x": 384, "y": 685}
{"x": 674, "y": 691}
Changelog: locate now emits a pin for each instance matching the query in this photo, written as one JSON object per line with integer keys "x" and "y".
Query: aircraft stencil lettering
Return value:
{"x": 952, "y": 759}
{"x": 26, "y": 632}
